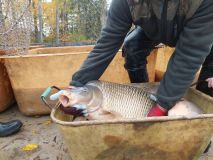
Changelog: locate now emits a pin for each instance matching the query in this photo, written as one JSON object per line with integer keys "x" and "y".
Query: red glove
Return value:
{"x": 157, "y": 111}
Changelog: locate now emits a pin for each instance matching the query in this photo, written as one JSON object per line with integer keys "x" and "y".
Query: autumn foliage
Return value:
{"x": 58, "y": 22}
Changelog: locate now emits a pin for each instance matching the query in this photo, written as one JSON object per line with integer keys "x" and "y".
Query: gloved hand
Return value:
{"x": 75, "y": 110}
{"x": 157, "y": 111}
{"x": 210, "y": 82}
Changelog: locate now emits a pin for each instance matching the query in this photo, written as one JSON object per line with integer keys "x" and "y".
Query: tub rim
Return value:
{"x": 59, "y": 53}
{"x": 128, "y": 121}
{"x": 125, "y": 121}
{"x": 40, "y": 55}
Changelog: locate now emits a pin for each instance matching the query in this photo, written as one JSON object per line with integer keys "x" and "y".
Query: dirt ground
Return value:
{"x": 39, "y": 131}
{"x": 44, "y": 134}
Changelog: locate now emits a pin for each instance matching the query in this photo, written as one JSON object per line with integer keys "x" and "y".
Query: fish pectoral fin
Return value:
{"x": 104, "y": 112}
{"x": 113, "y": 114}
{"x": 80, "y": 119}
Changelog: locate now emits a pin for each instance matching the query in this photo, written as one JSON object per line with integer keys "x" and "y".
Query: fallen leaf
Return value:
{"x": 30, "y": 147}
{"x": 48, "y": 122}
{"x": 34, "y": 132}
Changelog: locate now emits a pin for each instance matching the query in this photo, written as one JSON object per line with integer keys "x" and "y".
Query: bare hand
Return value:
{"x": 210, "y": 82}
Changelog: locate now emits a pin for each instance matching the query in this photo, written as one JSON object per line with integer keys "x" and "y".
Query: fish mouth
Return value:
{"x": 64, "y": 100}
{"x": 76, "y": 110}
{"x": 71, "y": 111}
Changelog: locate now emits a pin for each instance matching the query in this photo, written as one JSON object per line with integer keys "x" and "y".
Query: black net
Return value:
{"x": 15, "y": 26}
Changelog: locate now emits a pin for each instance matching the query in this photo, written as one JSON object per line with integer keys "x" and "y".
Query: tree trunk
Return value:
{"x": 1, "y": 14}
{"x": 40, "y": 16}
{"x": 35, "y": 20}
{"x": 104, "y": 13}
{"x": 63, "y": 17}
{"x": 57, "y": 23}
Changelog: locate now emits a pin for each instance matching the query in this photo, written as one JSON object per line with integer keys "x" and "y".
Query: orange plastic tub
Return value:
{"x": 6, "y": 92}
{"x": 31, "y": 74}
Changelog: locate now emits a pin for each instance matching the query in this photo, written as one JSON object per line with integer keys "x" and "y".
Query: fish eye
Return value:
{"x": 84, "y": 89}
{"x": 79, "y": 89}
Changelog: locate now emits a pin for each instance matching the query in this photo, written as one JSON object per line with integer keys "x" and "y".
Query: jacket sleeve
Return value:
{"x": 118, "y": 23}
{"x": 193, "y": 46}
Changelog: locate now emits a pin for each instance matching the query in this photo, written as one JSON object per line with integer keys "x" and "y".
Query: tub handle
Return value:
{"x": 46, "y": 94}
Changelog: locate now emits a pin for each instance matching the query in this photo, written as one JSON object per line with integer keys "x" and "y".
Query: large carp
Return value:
{"x": 106, "y": 100}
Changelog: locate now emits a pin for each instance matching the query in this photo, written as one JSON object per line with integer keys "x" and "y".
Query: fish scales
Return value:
{"x": 129, "y": 101}
{"x": 105, "y": 100}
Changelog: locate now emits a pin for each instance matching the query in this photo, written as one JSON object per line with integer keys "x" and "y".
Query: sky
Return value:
{"x": 108, "y": 1}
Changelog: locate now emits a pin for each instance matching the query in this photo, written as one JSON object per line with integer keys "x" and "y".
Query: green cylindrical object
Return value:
{"x": 46, "y": 92}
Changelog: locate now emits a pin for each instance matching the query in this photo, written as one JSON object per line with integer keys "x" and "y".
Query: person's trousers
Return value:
{"x": 205, "y": 73}
{"x": 137, "y": 46}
